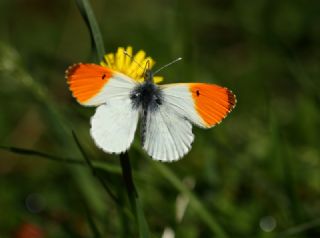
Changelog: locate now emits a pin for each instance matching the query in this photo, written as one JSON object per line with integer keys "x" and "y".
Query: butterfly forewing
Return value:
{"x": 93, "y": 85}
{"x": 203, "y": 104}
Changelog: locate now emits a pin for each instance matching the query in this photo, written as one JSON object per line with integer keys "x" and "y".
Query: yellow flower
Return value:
{"x": 125, "y": 64}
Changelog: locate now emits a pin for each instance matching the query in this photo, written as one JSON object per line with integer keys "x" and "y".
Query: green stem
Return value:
{"x": 101, "y": 179}
{"x": 127, "y": 177}
{"x": 91, "y": 22}
{"x": 97, "y": 164}
{"x": 194, "y": 202}
{"x": 133, "y": 195}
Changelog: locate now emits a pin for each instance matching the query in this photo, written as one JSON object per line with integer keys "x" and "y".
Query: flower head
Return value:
{"x": 130, "y": 66}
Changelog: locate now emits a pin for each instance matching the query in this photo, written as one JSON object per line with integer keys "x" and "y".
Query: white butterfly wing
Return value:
{"x": 114, "y": 124}
{"x": 115, "y": 121}
{"x": 167, "y": 135}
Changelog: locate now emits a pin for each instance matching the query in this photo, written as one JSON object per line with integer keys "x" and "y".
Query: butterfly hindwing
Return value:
{"x": 167, "y": 135}
{"x": 114, "y": 124}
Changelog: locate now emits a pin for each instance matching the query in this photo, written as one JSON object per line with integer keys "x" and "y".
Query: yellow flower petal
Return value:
{"x": 104, "y": 64}
{"x": 127, "y": 61}
{"x": 136, "y": 64}
{"x": 140, "y": 80}
{"x": 157, "y": 79}
{"x": 120, "y": 58}
{"x": 109, "y": 58}
{"x": 131, "y": 65}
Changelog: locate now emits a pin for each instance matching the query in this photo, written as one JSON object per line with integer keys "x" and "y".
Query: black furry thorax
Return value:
{"x": 146, "y": 96}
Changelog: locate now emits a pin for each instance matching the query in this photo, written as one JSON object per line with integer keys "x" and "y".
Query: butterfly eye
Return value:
{"x": 158, "y": 101}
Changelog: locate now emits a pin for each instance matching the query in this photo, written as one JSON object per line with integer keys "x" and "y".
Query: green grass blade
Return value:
{"x": 293, "y": 231}
{"x": 37, "y": 154}
{"x": 90, "y": 165}
{"x": 197, "y": 206}
{"x": 92, "y": 225}
{"x": 91, "y": 22}
{"x": 133, "y": 196}
{"x": 143, "y": 225}
{"x": 74, "y": 161}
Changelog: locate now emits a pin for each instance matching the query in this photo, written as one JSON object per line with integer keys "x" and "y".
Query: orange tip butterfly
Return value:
{"x": 166, "y": 112}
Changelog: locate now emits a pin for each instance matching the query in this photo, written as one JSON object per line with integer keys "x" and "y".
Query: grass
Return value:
{"x": 262, "y": 161}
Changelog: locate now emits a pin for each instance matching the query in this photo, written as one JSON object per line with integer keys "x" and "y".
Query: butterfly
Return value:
{"x": 166, "y": 112}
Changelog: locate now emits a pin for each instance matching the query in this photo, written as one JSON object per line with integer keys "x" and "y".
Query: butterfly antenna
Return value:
{"x": 147, "y": 66}
{"x": 165, "y": 66}
{"x": 131, "y": 57}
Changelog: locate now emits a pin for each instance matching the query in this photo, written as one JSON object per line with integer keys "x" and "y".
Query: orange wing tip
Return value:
{"x": 212, "y": 102}
{"x": 70, "y": 70}
{"x": 87, "y": 80}
{"x": 232, "y": 99}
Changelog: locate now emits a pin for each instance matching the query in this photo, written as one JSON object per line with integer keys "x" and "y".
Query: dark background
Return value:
{"x": 257, "y": 174}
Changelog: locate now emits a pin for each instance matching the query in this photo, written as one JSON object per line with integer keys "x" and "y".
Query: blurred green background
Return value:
{"x": 257, "y": 174}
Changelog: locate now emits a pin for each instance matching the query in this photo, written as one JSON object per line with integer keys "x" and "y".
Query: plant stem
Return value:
{"x": 127, "y": 175}
{"x": 91, "y": 22}
{"x": 133, "y": 195}
{"x": 100, "y": 179}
